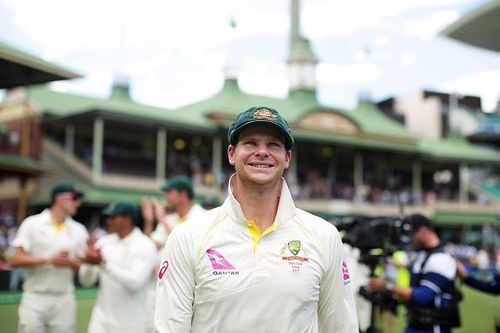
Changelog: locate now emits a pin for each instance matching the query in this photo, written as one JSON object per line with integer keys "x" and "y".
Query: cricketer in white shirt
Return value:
{"x": 124, "y": 278}
{"x": 220, "y": 274}
{"x": 48, "y": 289}
{"x": 160, "y": 234}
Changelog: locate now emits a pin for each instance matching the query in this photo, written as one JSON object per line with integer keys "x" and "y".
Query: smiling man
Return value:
{"x": 257, "y": 263}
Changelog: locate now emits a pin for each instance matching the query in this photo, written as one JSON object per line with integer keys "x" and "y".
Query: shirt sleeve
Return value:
{"x": 159, "y": 235}
{"x": 336, "y": 310}
{"x": 88, "y": 275}
{"x": 439, "y": 272}
{"x": 23, "y": 237}
{"x": 492, "y": 287}
{"x": 175, "y": 285}
{"x": 82, "y": 242}
{"x": 135, "y": 275}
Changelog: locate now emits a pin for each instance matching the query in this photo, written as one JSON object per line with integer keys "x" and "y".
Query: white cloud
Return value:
{"x": 203, "y": 85}
{"x": 94, "y": 84}
{"x": 382, "y": 40}
{"x": 477, "y": 84}
{"x": 407, "y": 59}
{"x": 322, "y": 18}
{"x": 262, "y": 79}
{"x": 175, "y": 51}
{"x": 330, "y": 73}
{"x": 431, "y": 25}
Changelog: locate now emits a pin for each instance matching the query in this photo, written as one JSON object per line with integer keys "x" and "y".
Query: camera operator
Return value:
{"x": 431, "y": 297}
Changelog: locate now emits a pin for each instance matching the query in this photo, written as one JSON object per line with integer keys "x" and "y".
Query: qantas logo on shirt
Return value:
{"x": 220, "y": 265}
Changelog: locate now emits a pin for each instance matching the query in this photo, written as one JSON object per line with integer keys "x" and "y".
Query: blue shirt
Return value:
{"x": 432, "y": 283}
{"x": 492, "y": 287}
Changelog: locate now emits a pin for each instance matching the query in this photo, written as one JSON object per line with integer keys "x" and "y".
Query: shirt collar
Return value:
{"x": 131, "y": 236}
{"x": 195, "y": 210}
{"x": 286, "y": 206}
{"x": 48, "y": 217}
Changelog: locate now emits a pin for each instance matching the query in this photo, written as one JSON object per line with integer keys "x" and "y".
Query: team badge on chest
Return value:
{"x": 295, "y": 254}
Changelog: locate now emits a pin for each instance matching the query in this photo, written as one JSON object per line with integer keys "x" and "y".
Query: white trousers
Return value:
{"x": 54, "y": 312}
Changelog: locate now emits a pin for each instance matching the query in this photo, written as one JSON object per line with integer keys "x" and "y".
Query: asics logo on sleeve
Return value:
{"x": 163, "y": 269}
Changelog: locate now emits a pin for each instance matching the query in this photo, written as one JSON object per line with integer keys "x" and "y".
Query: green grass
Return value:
{"x": 478, "y": 311}
{"x": 8, "y": 316}
{"x": 9, "y": 305}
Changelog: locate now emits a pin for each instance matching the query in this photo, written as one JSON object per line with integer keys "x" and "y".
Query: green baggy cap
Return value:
{"x": 122, "y": 208}
{"x": 65, "y": 187}
{"x": 180, "y": 183}
{"x": 260, "y": 115}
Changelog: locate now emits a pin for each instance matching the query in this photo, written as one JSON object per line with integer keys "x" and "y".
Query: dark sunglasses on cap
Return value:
{"x": 70, "y": 196}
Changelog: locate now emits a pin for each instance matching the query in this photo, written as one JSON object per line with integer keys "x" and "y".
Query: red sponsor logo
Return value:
{"x": 295, "y": 258}
{"x": 163, "y": 269}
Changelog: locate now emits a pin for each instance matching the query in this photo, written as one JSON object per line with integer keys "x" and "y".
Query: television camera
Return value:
{"x": 377, "y": 238}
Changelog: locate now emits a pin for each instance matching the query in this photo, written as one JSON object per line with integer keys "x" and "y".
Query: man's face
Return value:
{"x": 418, "y": 238}
{"x": 260, "y": 156}
{"x": 69, "y": 203}
{"x": 115, "y": 223}
{"x": 172, "y": 198}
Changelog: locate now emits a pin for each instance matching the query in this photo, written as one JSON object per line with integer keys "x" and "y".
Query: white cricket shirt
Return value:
{"x": 123, "y": 281}
{"x": 160, "y": 234}
{"x": 221, "y": 275}
{"x": 38, "y": 237}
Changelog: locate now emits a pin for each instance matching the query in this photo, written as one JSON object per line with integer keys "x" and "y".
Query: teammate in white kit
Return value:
{"x": 179, "y": 196}
{"x": 123, "y": 262}
{"x": 48, "y": 245}
{"x": 257, "y": 263}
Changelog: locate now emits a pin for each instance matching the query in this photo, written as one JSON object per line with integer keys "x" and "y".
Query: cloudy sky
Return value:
{"x": 176, "y": 52}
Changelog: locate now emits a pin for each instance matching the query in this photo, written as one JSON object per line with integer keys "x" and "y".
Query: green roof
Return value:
{"x": 371, "y": 120}
{"x": 458, "y": 149}
{"x": 64, "y": 105}
{"x": 106, "y": 195}
{"x": 356, "y": 141}
{"x": 464, "y": 218}
{"x": 99, "y": 196}
{"x": 377, "y": 131}
{"x": 22, "y": 164}
{"x": 231, "y": 100}
{"x": 18, "y": 68}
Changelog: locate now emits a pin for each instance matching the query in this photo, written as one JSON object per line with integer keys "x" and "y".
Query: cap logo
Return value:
{"x": 264, "y": 114}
